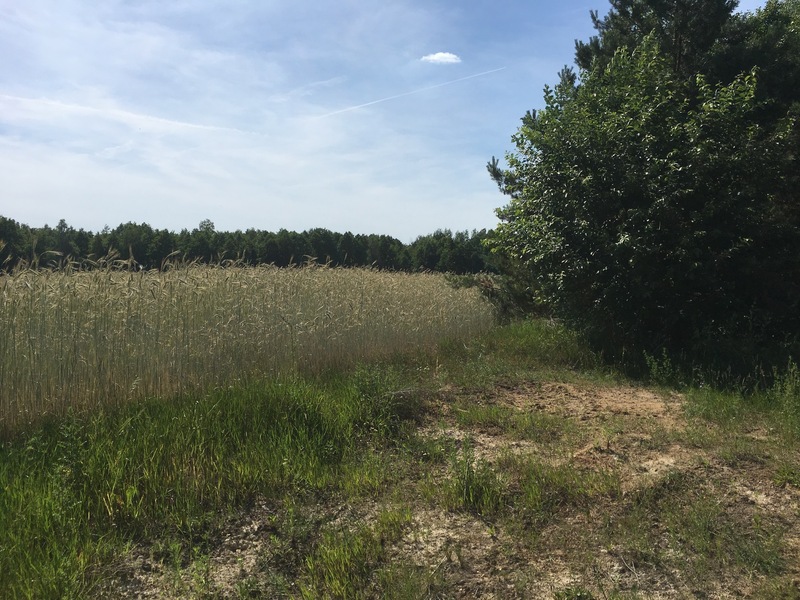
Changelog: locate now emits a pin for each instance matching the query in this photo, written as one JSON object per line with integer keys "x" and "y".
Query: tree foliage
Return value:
{"x": 140, "y": 245}
{"x": 657, "y": 211}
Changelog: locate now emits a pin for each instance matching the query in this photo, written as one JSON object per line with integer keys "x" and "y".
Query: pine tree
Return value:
{"x": 686, "y": 31}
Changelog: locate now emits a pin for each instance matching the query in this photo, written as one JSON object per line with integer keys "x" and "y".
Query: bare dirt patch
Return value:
{"x": 488, "y": 447}
{"x": 636, "y": 434}
{"x": 476, "y": 560}
{"x": 596, "y": 403}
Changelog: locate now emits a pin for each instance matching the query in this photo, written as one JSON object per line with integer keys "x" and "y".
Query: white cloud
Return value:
{"x": 441, "y": 58}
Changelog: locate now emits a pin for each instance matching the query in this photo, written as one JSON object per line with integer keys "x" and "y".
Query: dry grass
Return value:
{"x": 79, "y": 339}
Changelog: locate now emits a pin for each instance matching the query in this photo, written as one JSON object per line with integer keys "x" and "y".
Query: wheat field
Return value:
{"x": 79, "y": 339}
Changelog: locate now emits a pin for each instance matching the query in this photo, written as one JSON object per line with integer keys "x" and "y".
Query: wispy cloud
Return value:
{"x": 441, "y": 58}
{"x": 42, "y": 109}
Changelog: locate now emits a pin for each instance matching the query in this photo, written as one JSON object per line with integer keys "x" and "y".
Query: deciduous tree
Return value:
{"x": 653, "y": 211}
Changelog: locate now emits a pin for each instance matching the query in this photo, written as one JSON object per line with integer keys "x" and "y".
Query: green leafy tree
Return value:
{"x": 11, "y": 243}
{"x": 352, "y": 250}
{"x": 100, "y": 243}
{"x": 202, "y": 243}
{"x": 65, "y": 244}
{"x": 324, "y": 245}
{"x": 654, "y": 212}
{"x": 453, "y": 252}
{"x": 290, "y": 247}
{"x": 231, "y": 245}
{"x": 132, "y": 241}
{"x": 386, "y": 252}
{"x": 161, "y": 245}
{"x": 427, "y": 250}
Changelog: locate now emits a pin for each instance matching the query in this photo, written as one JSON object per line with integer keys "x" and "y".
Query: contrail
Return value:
{"x": 425, "y": 89}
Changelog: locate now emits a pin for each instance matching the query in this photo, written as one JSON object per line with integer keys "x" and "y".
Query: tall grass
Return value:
{"x": 80, "y": 339}
{"x": 78, "y": 490}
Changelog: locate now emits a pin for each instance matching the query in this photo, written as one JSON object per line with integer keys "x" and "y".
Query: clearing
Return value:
{"x": 570, "y": 488}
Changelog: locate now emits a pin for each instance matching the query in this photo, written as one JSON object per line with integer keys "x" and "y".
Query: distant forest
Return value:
{"x": 148, "y": 248}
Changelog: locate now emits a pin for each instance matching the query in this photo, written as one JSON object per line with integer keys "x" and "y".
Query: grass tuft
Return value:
{"x": 474, "y": 486}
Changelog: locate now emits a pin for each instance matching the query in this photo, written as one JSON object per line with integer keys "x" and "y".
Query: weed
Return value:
{"x": 785, "y": 393}
{"x": 542, "y": 343}
{"x": 778, "y": 588}
{"x": 533, "y": 349}
{"x": 723, "y": 407}
{"x": 662, "y": 371}
{"x": 712, "y": 538}
{"x": 738, "y": 449}
{"x": 534, "y": 425}
{"x": 474, "y": 485}
{"x": 470, "y": 415}
{"x": 248, "y": 588}
{"x": 164, "y": 473}
{"x": 787, "y": 473}
{"x": 75, "y": 493}
{"x": 539, "y": 426}
{"x": 409, "y": 582}
{"x": 426, "y": 449}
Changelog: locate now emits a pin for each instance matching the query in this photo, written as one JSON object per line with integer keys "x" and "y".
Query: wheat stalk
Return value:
{"x": 80, "y": 339}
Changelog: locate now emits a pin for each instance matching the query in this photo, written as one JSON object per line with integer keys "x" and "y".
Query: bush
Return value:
{"x": 655, "y": 213}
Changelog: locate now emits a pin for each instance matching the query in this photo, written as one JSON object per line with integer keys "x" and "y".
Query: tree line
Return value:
{"x": 148, "y": 248}
{"x": 655, "y": 199}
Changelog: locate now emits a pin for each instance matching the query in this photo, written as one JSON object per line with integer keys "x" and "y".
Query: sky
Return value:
{"x": 353, "y": 115}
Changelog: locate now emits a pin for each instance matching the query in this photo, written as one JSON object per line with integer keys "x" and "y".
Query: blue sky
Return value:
{"x": 370, "y": 117}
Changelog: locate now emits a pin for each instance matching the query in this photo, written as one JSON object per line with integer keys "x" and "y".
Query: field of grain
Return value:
{"x": 79, "y": 339}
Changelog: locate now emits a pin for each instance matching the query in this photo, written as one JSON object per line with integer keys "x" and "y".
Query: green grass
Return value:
{"x": 79, "y": 489}
{"x": 773, "y": 403}
{"x": 537, "y": 426}
{"x": 535, "y": 349}
{"x": 545, "y": 489}
{"x": 410, "y": 582}
{"x": 522, "y": 487}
